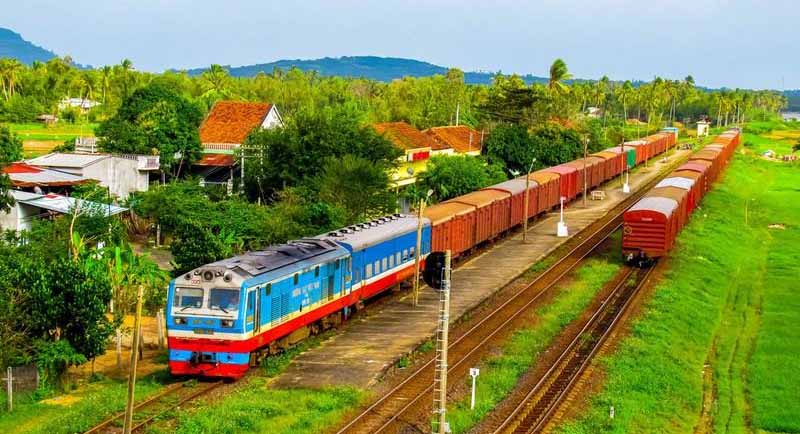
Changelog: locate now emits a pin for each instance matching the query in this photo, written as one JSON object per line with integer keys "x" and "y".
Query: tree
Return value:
{"x": 10, "y": 151}
{"x": 10, "y": 70}
{"x": 510, "y": 145}
{"x": 559, "y": 73}
{"x": 155, "y": 119}
{"x": 294, "y": 155}
{"x": 555, "y": 145}
{"x": 451, "y": 176}
{"x": 356, "y": 185}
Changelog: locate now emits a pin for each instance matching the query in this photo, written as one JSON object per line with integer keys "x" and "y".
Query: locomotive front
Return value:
{"x": 205, "y": 323}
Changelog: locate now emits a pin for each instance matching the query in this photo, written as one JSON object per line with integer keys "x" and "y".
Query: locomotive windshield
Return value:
{"x": 188, "y": 297}
{"x": 226, "y": 300}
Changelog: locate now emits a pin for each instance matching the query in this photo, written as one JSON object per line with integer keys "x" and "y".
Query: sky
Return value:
{"x": 747, "y": 44}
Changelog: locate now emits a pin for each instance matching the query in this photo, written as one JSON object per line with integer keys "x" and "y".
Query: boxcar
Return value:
{"x": 549, "y": 189}
{"x": 452, "y": 227}
{"x": 649, "y": 228}
{"x": 605, "y": 168}
{"x": 700, "y": 167}
{"x": 680, "y": 196}
{"x": 641, "y": 150}
{"x": 684, "y": 183}
{"x": 492, "y": 208}
{"x": 629, "y": 154}
{"x": 516, "y": 188}
{"x": 569, "y": 180}
{"x": 615, "y": 163}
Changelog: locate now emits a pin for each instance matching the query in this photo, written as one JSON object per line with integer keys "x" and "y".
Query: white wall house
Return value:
{"x": 122, "y": 174}
{"x": 29, "y": 207}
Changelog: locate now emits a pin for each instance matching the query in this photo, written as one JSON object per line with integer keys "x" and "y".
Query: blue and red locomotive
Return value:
{"x": 222, "y": 316}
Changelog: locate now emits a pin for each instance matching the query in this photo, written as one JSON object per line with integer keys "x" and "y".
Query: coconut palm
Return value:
{"x": 10, "y": 70}
{"x": 559, "y": 73}
{"x": 624, "y": 94}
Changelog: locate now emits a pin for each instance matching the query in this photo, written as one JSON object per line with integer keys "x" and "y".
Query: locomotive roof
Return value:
{"x": 360, "y": 236}
{"x": 259, "y": 262}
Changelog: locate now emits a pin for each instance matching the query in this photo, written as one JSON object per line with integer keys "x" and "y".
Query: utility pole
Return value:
{"x": 10, "y": 388}
{"x": 132, "y": 373}
{"x": 527, "y": 201}
{"x": 585, "y": 169}
{"x": 418, "y": 250}
{"x": 458, "y": 110}
{"x": 440, "y": 380}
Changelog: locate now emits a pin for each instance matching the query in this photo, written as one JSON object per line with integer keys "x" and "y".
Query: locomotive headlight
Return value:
{"x": 208, "y": 275}
{"x": 227, "y": 276}
{"x": 227, "y": 323}
{"x": 180, "y": 321}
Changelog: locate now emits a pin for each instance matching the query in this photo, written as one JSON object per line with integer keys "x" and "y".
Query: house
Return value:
{"x": 703, "y": 128}
{"x": 47, "y": 120}
{"x": 83, "y": 104}
{"x": 121, "y": 174}
{"x": 224, "y": 130}
{"x": 26, "y": 176}
{"x": 594, "y": 112}
{"x": 461, "y": 138}
{"x": 31, "y": 206}
{"x": 417, "y": 149}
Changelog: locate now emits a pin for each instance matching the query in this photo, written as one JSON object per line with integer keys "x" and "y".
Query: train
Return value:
{"x": 651, "y": 225}
{"x": 223, "y": 317}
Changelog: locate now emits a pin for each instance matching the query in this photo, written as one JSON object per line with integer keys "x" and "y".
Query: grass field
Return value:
{"x": 500, "y": 373}
{"x": 729, "y": 299}
{"x": 58, "y": 132}
{"x": 74, "y": 412}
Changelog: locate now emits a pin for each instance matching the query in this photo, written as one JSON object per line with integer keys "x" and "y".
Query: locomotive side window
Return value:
{"x": 316, "y": 271}
{"x": 188, "y": 297}
{"x": 383, "y": 264}
{"x": 391, "y": 261}
{"x": 268, "y": 288}
{"x": 378, "y": 267}
{"x": 296, "y": 278}
{"x": 405, "y": 255}
{"x": 368, "y": 271}
{"x": 398, "y": 258}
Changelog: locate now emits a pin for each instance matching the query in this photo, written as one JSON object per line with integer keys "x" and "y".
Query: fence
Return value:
{"x": 20, "y": 379}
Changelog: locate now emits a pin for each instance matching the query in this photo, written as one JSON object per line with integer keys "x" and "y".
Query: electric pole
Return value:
{"x": 440, "y": 380}
{"x": 132, "y": 373}
{"x": 585, "y": 169}
{"x": 527, "y": 201}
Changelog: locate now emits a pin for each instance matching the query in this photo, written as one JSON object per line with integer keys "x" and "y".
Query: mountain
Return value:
{"x": 372, "y": 67}
{"x": 12, "y": 45}
{"x": 794, "y": 100}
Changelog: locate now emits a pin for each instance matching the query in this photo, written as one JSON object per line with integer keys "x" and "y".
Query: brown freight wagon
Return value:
{"x": 604, "y": 171}
{"x": 701, "y": 167}
{"x": 516, "y": 188}
{"x": 714, "y": 161}
{"x": 649, "y": 229}
{"x": 549, "y": 189}
{"x": 679, "y": 195}
{"x": 615, "y": 162}
{"x": 686, "y": 183}
{"x": 452, "y": 227}
{"x": 592, "y": 172}
{"x": 569, "y": 180}
{"x": 699, "y": 182}
{"x": 641, "y": 150}
{"x": 493, "y": 209}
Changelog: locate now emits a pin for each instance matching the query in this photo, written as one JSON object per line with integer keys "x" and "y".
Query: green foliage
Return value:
{"x": 155, "y": 118}
{"x": 358, "y": 186}
{"x": 451, "y": 176}
{"x": 294, "y": 155}
{"x": 10, "y": 146}
{"x": 555, "y": 145}
{"x": 512, "y": 146}
{"x": 21, "y": 108}
{"x": 53, "y": 359}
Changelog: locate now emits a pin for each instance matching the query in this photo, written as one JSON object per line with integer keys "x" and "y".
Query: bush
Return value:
{"x": 22, "y": 109}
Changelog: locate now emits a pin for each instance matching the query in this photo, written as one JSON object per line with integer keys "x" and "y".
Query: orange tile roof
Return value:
{"x": 406, "y": 137}
{"x": 231, "y": 121}
{"x": 216, "y": 160}
{"x": 457, "y": 137}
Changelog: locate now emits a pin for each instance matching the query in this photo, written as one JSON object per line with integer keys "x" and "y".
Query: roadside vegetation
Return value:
{"x": 726, "y": 300}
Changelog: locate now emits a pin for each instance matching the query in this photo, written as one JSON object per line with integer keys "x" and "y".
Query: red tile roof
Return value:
{"x": 21, "y": 168}
{"x": 231, "y": 121}
{"x": 216, "y": 160}
{"x": 406, "y": 137}
{"x": 25, "y": 175}
{"x": 457, "y": 137}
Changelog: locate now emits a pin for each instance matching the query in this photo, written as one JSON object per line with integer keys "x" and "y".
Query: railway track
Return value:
{"x": 406, "y": 407}
{"x": 147, "y": 411}
{"x": 537, "y": 406}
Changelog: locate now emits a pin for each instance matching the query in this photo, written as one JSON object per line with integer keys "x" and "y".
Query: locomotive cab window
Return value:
{"x": 296, "y": 278}
{"x": 268, "y": 289}
{"x": 316, "y": 271}
{"x": 226, "y": 300}
{"x": 188, "y": 297}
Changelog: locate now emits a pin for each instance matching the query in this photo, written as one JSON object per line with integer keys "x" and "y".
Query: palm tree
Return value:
{"x": 217, "y": 81}
{"x": 559, "y": 73}
{"x": 125, "y": 67}
{"x": 9, "y": 75}
{"x": 105, "y": 80}
{"x": 624, "y": 93}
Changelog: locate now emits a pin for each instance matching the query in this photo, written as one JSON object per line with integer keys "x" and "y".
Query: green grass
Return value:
{"x": 728, "y": 298}
{"x": 74, "y": 412}
{"x": 60, "y": 132}
{"x": 500, "y": 374}
{"x": 259, "y": 409}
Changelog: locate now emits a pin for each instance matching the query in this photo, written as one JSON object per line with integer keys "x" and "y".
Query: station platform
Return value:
{"x": 368, "y": 346}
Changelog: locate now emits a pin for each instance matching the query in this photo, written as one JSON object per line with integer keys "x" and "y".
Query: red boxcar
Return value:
{"x": 680, "y": 196}
{"x": 700, "y": 167}
{"x": 714, "y": 162}
{"x": 549, "y": 189}
{"x": 688, "y": 184}
{"x": 516, "y": 188}
{"x": 699, "y": 182}
{"x": 569, "y": 180}
{"x": 493, "y": 210}
{"x": 649, "y": 228}
{"x": 615, "y": 162}
{"x": 604, "y": 170}
{"x": 452, "y": 227}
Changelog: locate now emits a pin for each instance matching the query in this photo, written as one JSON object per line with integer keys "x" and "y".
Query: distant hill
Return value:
{"x": 794, "y": 100}
{"x": 372, "y": 67}
{"x": 12, "y": 45}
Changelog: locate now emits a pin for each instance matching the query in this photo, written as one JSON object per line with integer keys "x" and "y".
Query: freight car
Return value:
{"x": 651, "y": 226}
{"x": 222, "y": 317}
